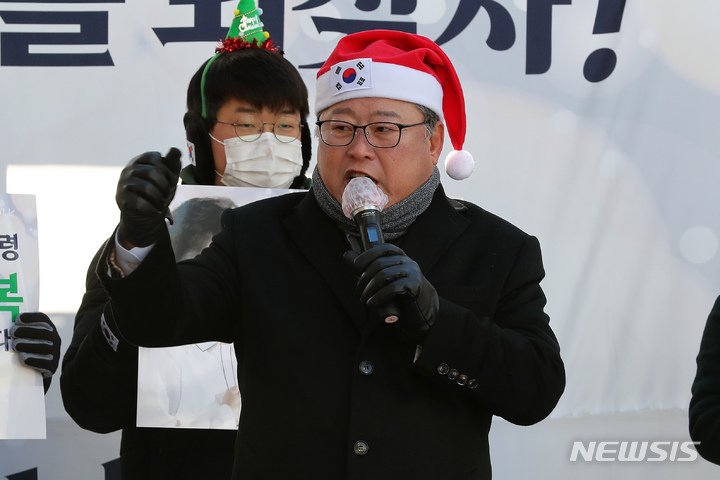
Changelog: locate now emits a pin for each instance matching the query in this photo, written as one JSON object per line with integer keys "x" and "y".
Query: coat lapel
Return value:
{"x": 433, "y": 232}
{"x": 323, "y": 244}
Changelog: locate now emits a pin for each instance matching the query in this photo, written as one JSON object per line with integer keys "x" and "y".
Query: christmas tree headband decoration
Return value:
{"x": 246, "y": 31}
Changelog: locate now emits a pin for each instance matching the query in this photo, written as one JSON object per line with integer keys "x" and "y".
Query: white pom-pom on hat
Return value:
{"x": 459, "y": 164}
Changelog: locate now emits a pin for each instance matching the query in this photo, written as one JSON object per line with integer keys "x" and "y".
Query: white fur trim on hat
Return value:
{"x": 382, "y": 80}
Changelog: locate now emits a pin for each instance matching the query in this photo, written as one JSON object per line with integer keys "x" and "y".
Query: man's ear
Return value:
{"x": 437, "y": 140}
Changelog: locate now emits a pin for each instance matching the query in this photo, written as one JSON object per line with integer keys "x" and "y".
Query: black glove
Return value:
{"x": 145, "y": 189}
{"x": 37, "y": 342}
{"x": 388, "y": 276}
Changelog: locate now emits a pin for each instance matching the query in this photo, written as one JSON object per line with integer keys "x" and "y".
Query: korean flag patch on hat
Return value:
{"x": 352, "y": 75}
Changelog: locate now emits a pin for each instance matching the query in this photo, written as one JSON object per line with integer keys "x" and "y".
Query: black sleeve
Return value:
{"x": 99, "y": 370}
{"x": 704, "y": 411}
{"x": 512, "y": 356}
{"x": 160, "y": 302}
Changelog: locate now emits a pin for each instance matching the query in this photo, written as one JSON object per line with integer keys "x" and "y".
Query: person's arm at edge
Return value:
{"x": 704, "y": 410}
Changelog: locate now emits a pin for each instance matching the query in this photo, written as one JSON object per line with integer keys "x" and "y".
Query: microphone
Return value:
{"x": 362, "y": 201}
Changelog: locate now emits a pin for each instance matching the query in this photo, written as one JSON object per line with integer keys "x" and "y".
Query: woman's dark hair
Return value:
{"x": 261, "y": 77}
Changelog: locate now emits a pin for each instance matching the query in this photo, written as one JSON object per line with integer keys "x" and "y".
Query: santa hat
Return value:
{"x": 399, "y": 66}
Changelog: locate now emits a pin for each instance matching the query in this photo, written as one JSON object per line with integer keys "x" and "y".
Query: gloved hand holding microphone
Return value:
{"x": 389, "y": 280}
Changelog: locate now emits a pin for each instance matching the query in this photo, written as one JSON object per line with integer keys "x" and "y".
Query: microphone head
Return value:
{"x": 362, "y": 192}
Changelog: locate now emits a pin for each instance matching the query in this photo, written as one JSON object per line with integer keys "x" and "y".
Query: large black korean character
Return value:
{"x": 15, "y": 46}
{"x": 502, "y": 29}
{"x": 346, "y": 25}
{"x": 207, "y": 25}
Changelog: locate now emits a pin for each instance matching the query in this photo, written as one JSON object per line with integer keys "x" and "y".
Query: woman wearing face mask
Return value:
{"x": 246, "y": 125}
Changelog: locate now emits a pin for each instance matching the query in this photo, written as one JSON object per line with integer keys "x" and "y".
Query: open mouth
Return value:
{"x": 358, "y": 174}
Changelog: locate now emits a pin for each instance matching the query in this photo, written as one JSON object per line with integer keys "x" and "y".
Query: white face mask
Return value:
{"x": 267, "y": 162}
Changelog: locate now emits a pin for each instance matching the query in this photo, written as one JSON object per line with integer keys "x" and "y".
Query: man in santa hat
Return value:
{"x": 376, "y": 349}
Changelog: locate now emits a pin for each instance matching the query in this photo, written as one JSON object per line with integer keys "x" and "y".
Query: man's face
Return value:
{"x": 397, "y": 171}
{"x": 230, "y": 112}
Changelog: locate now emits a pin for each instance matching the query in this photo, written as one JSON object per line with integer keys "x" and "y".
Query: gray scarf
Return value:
{"x": 394, "y": 220}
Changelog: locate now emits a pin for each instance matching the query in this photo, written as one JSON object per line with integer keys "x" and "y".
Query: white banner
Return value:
{"x": 22, "y": 401}
{"x": 593, "y": 124}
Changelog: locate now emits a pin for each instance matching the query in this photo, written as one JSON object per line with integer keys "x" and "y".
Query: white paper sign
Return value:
{"x": 22, "y": 400}
{"x": 194, "y": 386}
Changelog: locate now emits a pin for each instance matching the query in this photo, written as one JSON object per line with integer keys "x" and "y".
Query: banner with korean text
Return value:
{"x": 593, "y": 125}
{"x": 22, "y": 401}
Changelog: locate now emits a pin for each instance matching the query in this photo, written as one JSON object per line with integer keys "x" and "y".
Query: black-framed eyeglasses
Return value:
{"x": 248, "y": 128}
{"x": 337, "y": 133}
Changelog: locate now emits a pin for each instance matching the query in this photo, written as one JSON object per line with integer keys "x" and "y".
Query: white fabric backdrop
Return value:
{"x": 615, "y": 177}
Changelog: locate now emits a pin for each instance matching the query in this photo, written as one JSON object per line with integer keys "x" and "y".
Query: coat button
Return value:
{"x": 361, "y": 447}
{"x": 453, "y": 374}
{"x": 443, "y": 369}
{"x": 473, "y": 384}
{"x": 462, "y": 380}
{"x": 366, "y": 368}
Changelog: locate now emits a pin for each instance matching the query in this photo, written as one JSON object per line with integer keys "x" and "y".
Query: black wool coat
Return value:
{"x": 331, "y": 392}
{"x": 704, "y": 410}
